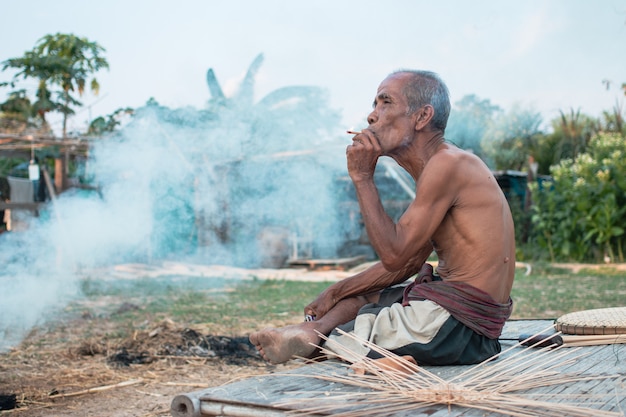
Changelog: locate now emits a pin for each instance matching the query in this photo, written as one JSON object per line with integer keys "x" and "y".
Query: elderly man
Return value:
{"x": 452, "y": 317}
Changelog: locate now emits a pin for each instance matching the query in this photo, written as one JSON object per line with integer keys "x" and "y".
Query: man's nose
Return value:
{"x": 372, "y": 117}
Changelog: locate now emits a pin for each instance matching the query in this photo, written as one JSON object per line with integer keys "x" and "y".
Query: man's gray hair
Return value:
{"x": 426, "y": 87}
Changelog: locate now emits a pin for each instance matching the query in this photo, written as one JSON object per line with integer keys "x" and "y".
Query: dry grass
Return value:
{"x": 56, "y": 371}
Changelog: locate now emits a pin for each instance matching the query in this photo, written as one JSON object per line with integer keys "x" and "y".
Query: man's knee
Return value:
{"x": 359, "y": 301}
{"x": 372, "y": 297}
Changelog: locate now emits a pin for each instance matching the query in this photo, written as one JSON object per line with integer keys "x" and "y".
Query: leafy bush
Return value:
{"x": 579, "y": 215}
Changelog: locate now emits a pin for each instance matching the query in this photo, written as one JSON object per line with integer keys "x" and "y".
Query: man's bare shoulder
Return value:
{"x": 451, "y": 153}
{"x": 450, "y": 160}
{"x": 463, "y": 175}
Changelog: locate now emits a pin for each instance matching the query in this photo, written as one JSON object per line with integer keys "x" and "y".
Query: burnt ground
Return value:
{"x": 84, "y": 365}
{"x": 57, "y": 372}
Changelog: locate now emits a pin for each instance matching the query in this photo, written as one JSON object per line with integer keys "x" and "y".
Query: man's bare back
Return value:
{"x": 459, "y": 212}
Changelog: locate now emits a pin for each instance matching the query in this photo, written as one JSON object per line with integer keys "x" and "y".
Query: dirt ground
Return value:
{"x": 56, "y": 371}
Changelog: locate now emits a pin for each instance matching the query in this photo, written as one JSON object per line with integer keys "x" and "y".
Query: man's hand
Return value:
{"x": 321, "y": 305}
{"x": 363, "y": 155}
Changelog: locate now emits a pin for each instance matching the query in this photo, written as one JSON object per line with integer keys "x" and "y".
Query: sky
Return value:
{"x": 548, "y": 55}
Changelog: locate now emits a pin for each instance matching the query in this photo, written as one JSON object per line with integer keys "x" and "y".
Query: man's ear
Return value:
{"x": 423, "y": 116}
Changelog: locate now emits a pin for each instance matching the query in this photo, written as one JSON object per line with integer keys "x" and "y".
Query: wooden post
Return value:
{"x": 60, "y": 177}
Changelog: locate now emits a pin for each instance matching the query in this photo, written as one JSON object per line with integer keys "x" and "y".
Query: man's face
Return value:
{"x": 388, "y": 120}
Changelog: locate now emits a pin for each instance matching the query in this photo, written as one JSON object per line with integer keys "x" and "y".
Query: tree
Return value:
{"x": 15, "y": 112}
{"x": 63, "y": 60}
{"x": 262, "y": 160}
{"x": 278, "y": 114}
{"x": 469, "y": 120}
{"x": 573, "y": 132}
{"x": 17, "y": 106}
{"x": 101, "y": 125}
{"x": 18, "y": 115}
{"x": 613, "y": 121}
{"x": 512, "y": 137}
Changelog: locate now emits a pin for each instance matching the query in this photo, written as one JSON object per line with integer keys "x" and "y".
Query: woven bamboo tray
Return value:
{"x": 593, "y": 322}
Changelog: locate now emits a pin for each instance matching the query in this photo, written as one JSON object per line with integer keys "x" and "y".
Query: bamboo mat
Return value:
{"x": 593, "y": 322}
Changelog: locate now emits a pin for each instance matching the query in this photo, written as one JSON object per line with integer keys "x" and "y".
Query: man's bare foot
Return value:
{"x": 285, "y": 343}
{"x": 404, "y": 364}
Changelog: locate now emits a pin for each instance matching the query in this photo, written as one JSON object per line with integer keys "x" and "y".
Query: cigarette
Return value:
{"x": 352, "y": 132}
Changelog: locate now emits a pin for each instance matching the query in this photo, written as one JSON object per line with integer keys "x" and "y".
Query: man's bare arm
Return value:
{"x": 370, "y": 281}
{"x": 436, "y": 191}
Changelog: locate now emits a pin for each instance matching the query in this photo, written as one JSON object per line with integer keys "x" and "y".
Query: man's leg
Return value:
{"x": 301, "y": 340}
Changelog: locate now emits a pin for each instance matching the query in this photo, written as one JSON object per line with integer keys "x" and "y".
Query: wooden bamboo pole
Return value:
{"x": 99, "y": 389}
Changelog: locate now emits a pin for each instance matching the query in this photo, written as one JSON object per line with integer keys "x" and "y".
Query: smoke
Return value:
{"x": 236, "y": 183}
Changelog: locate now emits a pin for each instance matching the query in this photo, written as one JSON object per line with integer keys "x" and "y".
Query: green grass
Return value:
{"x": 241, "y": 305}
{"x": 550, "y": 293}
{"x": 238, "y": 305}
{"x": 247, "y": 301}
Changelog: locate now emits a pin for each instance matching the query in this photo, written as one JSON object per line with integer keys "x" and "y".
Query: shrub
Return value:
{"x": 579, "y": 215}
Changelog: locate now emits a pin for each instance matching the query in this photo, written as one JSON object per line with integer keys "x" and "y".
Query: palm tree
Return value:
{"x": 281, "y": 112}
{"x": 64, "y": 60}
{"x": 573, "y": 132}
{"x": 613, "y": 121}
{"x": 257, "y": 144}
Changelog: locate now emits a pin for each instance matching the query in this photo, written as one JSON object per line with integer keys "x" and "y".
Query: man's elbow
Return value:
{"x": 392, "y": 262}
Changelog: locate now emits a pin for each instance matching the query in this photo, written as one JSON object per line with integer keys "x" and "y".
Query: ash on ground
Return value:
{"x": 168, "y": 342}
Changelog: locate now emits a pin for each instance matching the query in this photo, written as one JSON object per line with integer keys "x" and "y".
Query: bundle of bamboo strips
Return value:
{"x": 593, "y": 340}
{"x": 508, "y": 386}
